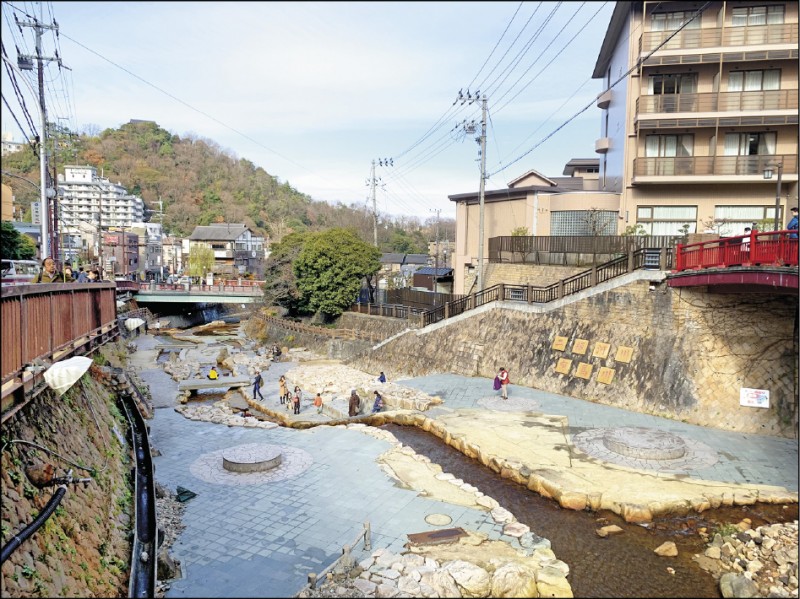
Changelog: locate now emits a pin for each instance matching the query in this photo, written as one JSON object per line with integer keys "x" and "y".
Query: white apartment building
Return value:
{"x": 9, "y": 146}
{"x": 710, "y": 105}
{"x": 85, "y": 197}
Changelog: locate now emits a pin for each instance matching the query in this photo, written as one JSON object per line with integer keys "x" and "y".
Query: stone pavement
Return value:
{"x": 262, "y": 536}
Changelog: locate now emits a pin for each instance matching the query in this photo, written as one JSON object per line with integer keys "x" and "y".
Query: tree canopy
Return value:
{"x": 280, "y": 284}
{"x": 201, "y": 260}
{"x": 330, "y": 268}
{"x": 15, "y": 245}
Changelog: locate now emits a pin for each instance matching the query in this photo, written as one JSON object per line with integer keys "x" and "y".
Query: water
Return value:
{"x": 619, "y": 566}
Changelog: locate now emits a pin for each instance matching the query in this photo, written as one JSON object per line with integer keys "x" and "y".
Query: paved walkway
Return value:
{"x": 262, "y": 536}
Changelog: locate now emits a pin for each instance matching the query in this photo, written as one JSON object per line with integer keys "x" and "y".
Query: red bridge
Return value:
{"x": 759, "y": 260}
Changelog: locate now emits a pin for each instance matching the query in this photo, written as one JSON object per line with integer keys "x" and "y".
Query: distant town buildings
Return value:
{"x": 9, "y": 146}
{"x": 236, "y": 250}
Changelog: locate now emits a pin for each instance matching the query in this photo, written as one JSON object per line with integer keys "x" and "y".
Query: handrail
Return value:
{"x": 346, "y": 558}
{"x": 351, "y": 334}
{"x": 776, "y": 248}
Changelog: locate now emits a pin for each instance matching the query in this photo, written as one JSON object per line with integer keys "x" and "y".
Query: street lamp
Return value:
{"x": 768, "y": 175}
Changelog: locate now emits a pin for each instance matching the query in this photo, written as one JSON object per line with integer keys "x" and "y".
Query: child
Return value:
{"x": 318, "y": 403}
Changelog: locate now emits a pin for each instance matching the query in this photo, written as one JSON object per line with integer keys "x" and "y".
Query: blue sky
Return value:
{"x": 313, "y": 92}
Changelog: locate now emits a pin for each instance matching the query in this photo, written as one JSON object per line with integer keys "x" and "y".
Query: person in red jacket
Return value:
{"x": 503, "y": 376}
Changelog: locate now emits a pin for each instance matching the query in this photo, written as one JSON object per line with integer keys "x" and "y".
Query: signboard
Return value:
{"x": 605, "y": 375}
{"x": 584, "y": 370}
{"x": 754, "y": 398}
{"x": 563, "y": 366}
{"x": 601, "y": 350}
{"x": 560, "y": 343}
{"x": 580, "y": 346}
{"x": 624, "y": 354}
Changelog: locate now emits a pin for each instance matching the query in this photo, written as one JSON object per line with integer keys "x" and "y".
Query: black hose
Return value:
{"x": 48, "y": 510}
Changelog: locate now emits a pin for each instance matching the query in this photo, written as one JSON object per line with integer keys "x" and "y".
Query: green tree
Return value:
{"x": 280, "y": 283}
{"x": 331, "y": 267}
{"x": 520, "y": 232}
{"x": 14, "y": 245}
{"x": 201, "y": 260}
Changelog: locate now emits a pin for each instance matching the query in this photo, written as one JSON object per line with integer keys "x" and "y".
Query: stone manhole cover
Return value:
{"x": 646, "y": 449}
{"x": 210, "y": 466}
{"x": 438, "y": 519}
{"x": 512, "y": 404}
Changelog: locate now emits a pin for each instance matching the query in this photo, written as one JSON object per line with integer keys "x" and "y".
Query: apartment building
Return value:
{"x": 9, "y": 146}
{"x": 85, "y": 197}
{"x": 702, "y": 135}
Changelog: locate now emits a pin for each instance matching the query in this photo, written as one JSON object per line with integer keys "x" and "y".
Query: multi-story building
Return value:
{"x": 120, "y": 254}
{"x": 236, "y": 250}
{"x": 707, "y": 113}
{"x": 83, "y": 196}
{"x": 151, "y": 257}
{"x": 172, "y": 254}
{"x": 9, "y": 146}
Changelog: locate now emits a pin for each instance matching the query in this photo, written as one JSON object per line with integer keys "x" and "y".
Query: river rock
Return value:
{"x": 473, "y": 580}
{"x": 513, "y": 580}
{"x": 607, "y": 531}
{"x": 737, "y": 585}
{"x": 667, "y": 549}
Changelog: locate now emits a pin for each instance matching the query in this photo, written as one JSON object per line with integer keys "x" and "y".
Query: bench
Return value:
{"x": 190, "y": 386}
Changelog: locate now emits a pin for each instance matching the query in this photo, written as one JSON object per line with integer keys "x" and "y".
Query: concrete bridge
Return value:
{"x": 223, "y": 292}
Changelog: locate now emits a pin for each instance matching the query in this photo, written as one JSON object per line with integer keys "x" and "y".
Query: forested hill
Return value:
{"x": 199, "y": 183}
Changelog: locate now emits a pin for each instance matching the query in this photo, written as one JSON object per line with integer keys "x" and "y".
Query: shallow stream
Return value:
{"x": 617, "y": 566}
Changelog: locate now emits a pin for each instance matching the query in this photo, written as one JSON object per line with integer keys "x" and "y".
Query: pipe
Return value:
{"x": 45, "y": 514}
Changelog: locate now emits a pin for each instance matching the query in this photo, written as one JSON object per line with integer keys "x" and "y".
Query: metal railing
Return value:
{"x": 525, "y": 249}
{"x": 712, "y": 165}
{"x": 51, "y": 322}
{"x": 344, "y": 561}
{"x": 712, "y": 37}
{"x": 234, "y": 286}
{"x": 773, "y": 248}
{"x": 350, "y": 334}
{"x": 778, "y": 99}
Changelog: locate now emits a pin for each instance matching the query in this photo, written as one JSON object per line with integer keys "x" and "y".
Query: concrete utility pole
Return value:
{"x": 436, "y": 257}
{"x": 482, "y": 188}
{"x": 26, "y": 64}
{"x": 374, "y": 206}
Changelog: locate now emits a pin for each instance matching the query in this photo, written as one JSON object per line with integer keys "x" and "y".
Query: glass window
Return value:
{"x": 583, "y": 222}
{"x": 668, "y": 146}
{"x": 754, "y": 80}
{"x": 750, "y": 144}
{"x": 731, "y": 220}
{"x": 758, "y": 15}
{"x": 669, "y": 21}
{"x": 675, "y": 83}
{"x": 667, "y": 220}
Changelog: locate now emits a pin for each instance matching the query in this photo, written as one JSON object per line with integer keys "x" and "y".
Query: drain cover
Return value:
{"x": 436, "y": 537}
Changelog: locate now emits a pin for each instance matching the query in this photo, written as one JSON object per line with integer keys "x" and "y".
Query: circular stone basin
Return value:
{"x": 250, "y": 459}
{"x": 646, "y": 444}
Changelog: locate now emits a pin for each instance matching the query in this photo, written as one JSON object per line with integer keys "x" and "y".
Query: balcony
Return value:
{"x": 602, "y": 145}
{"x": 778, "y": 99}
{"x": 716, "y": 37}
{"x": 604, "y": 99}
{"x": 712, "y": 169}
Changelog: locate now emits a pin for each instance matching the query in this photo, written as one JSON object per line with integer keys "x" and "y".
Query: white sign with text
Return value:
{"x": 754, "y": 398}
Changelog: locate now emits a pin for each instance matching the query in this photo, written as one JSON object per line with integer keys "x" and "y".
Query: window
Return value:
{"x": 583, "y": 222}
{"x": 676, "y": 83}
{"x": 667, "y": 146}
{"x": 747, "y": 81}
{"x": 750, "y": 144}
{"x": 667, "y": 220}
{"x": 758, "y": 15}
{"x": 669, "y": 21}
{"x": 731, "y": 220}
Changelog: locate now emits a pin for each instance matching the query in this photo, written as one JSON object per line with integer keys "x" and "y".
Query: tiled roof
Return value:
{"x": 437, "y": 272}
{"x": 223, "y": 231}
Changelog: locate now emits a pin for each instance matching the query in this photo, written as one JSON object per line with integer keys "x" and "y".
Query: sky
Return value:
{"x": 314, "y": 92}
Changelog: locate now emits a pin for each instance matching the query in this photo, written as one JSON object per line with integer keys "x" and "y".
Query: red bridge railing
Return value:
{"x": 772, "y": 248}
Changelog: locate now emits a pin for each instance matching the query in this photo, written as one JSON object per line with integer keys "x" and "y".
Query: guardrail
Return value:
{"x": 51, "y": 322}
{"x": 772, "y": 248}
{"x": 227, "y": 286}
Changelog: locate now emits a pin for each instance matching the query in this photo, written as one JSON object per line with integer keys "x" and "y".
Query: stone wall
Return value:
{"x": 528, "y": 274}
{"x": 82, "y": 550}
{"x": 692, "y": 352}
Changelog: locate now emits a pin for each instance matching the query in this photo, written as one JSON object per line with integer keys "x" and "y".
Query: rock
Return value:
{"x": 442, "y": 583}
{"x": 667, "y": 549}
{"x": 551, "y": 582}
{"x": 513, "y": 580}
{"x": 473, "y": 580}
{"x": 737, "y": 585}
{"x": 168, "y": 568}
{"x": 515, "y": 529}
{"x": 610, "y": 530}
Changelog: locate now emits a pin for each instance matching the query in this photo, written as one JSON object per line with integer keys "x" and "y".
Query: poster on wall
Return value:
{"x": 754, "y": 398}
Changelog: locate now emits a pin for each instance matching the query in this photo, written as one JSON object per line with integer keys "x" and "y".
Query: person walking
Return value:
{"x": 793, "y": 224}
{"x": 296, "y": 400}
{"x": 283, "y": 390}
{"x": 503, "y": 376}
{"x": 257, "y": 386}
{"x": 82, "y": 276}
{"x": 318, "y": 403}
{"x": 354, "y": 404}
{"x": 68, "y": 278}
{"x": 49, "y": 273}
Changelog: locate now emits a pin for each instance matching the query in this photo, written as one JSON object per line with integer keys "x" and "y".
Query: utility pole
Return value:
{"x": 436, "y": 257}
{"x": 469, "y": 98}
{"x": 26, "y": 64}
{"x": 374, "y": 206}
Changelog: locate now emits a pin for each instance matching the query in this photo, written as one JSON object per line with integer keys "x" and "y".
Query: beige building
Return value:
{"x": 569, "y": 205}
{"x": 687, "y": 135}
